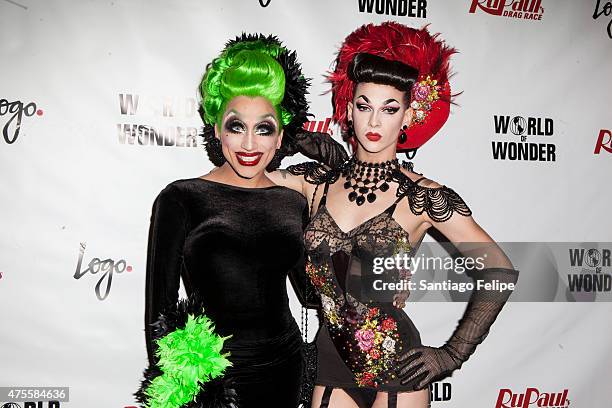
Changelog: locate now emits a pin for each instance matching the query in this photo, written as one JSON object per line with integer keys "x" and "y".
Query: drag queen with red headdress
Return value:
{"x": 390, "y": 93}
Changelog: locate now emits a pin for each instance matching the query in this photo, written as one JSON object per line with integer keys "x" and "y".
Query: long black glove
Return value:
{"x": 317, "y": 146}
{"x": 423, "y": 365}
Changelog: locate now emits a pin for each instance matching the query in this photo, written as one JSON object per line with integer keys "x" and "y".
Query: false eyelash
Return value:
{"x": 270, "y": 128}
{"x": 233, "y": 124}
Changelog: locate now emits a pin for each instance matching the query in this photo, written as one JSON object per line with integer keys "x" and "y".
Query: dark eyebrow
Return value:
{"x": 364, "y": 98}
{"x": 389, "y": 101}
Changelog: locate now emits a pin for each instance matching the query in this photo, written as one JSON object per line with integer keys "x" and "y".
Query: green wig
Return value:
{"x": 244, "y": 69}
{"x": 254, "y": 65}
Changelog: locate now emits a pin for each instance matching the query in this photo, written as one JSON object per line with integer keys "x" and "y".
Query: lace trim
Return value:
{"x": 315, "y": 173}
{"x": 439, "y": 202}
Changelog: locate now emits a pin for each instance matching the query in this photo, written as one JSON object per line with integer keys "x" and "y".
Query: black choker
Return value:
{"x": 365, "y": 178}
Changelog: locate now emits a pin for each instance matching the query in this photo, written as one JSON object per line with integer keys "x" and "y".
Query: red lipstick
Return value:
{"x": 248, "y": 159}
{"x": 374, "y": 137}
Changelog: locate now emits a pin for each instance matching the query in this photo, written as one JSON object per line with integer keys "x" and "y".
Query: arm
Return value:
{"x": 320, "y": 147}
{"x": 164, "y": 259}
{"x": 423, "y": 365}
{"x": 305, "y": 291}
{"x": 316, "y": 146}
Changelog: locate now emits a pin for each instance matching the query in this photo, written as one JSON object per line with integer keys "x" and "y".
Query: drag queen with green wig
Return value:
{"x": 234, "y": 235}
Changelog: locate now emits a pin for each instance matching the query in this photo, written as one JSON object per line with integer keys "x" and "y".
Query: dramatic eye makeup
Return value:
{"x": 362, "y": 107}
{"x": 265, "y": 128}
{"x": 234, "y": 125}
{"x": 389, "y": 105}
{"x": 391, "y": 109}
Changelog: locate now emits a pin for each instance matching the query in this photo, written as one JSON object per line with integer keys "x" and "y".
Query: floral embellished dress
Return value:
{"x": 362, "y": 332}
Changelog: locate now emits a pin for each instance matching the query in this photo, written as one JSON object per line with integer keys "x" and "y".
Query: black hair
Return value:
{"x": 371, "y": 68}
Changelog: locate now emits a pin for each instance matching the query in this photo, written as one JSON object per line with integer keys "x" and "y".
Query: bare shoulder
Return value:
{"x": 283, "y": 177}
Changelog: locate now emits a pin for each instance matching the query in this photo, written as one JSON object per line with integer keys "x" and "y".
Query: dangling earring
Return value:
{"x": 403, "y": 136}
{"x": 351, "y": 131}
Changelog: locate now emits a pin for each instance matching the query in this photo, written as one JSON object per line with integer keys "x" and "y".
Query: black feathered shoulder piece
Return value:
{"x": 439, "y": 202}
{"x": 316, "y": 173}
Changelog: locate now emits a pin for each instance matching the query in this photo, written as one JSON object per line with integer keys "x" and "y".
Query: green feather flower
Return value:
{"x": 188, "y": 358}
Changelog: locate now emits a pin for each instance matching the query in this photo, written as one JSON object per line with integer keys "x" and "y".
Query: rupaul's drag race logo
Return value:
{"x": 319, "y": 126}
{"x": 532, "y": 397}
{"x": 591, "y": 263}
{"x": 523, "y": 9}
{"x": 605, "y": 9}
{"x": 14, "y": 113}
{"x": 604, "y": 141}
{"x": 527, "y": 129}
{"x": 400, "y": 8}
{"x": 106, "y": 268}
{"x": 170, "y": 121}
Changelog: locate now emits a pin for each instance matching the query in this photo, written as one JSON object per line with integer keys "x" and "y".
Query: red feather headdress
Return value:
{"x": 416, "y": 48}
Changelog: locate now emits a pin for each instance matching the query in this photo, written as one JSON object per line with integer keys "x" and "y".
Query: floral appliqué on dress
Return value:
{"x": 373, "y": 333}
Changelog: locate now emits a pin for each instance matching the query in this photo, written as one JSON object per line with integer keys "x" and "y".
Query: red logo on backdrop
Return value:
{"x": 319, "y": 126}
{"x": 532, "y": 397}
{"x": 604, "y": 141}
{"x": 523, "y": 9}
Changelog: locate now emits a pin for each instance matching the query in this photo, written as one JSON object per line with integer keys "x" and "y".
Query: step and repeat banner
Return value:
{"x": 98, "y": 113}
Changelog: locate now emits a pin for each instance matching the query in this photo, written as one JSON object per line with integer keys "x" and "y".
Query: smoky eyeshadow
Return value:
{"x": 268, "y": 128}
{"x": 234, "y": 125}
{"x": 392, "y": 109}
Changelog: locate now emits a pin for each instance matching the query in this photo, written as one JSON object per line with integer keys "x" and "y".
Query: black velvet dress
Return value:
{"x": 234, "y": 247}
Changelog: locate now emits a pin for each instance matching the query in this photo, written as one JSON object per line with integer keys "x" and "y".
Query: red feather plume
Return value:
{"x": 396, "y": 42}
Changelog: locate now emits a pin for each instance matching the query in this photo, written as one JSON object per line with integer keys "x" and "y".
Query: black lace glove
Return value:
{"x": 423, "y": 365}
{"x": 316, "y": 146}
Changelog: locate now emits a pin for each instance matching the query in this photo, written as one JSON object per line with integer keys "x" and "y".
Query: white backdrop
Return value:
{"x": 72, "y": 184}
